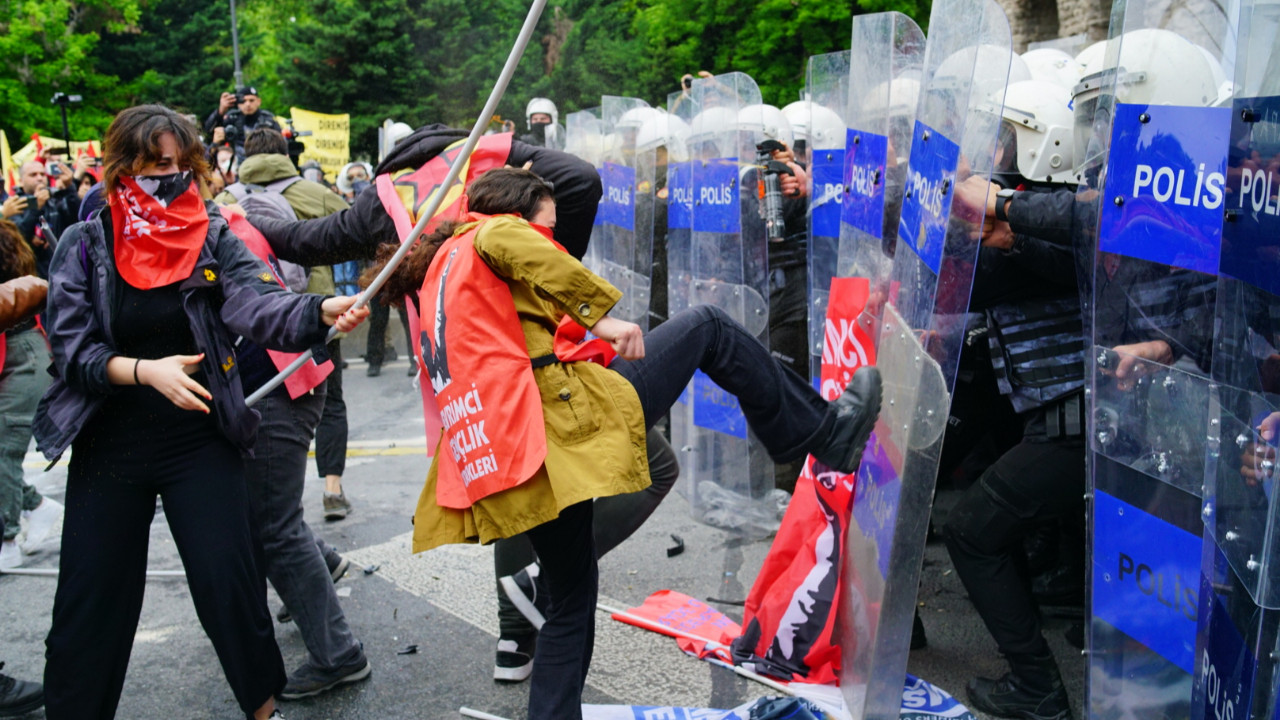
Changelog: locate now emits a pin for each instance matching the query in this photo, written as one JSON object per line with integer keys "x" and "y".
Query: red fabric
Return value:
{"x": 793, "y": 599}
{"x": 679, "y": 616}
{"x": 4, "y": 349}
{"x": 474, "y": 357}
{"x": 492, "y": 151}
{"x": 155, "y": 245}
{"x": 571, "y": 345}
{"x": 309, "y": 376}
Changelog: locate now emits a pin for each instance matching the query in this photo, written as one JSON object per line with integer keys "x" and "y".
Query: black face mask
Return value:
{"x": 164, "y": 188}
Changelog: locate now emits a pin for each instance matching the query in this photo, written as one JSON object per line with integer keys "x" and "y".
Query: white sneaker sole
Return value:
{"x": 521, "y": 602}
{"x": 356, "y": 676}
{"x": 513, "y": 674}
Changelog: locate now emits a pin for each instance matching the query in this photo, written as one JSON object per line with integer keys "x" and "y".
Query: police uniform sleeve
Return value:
{"x": 1045, "y": 215}
{"x": 577, "y": 191}
{"x": 516, "y": 251}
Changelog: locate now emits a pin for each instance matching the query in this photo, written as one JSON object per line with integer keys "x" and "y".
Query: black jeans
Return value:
{"x": 1038, "y": 479}
{"x": 331, "y": 433}
{"x": 785, "y": 412}
{"x": 379, "y": 316}
{"x": 295, "y": 563}
{"x": 103, "y": 575}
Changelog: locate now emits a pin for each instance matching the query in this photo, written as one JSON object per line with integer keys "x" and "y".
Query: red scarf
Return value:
{"x": 156, "y": 245}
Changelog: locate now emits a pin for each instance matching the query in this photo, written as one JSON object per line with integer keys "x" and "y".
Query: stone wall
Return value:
{"x": 1039, "y": 20}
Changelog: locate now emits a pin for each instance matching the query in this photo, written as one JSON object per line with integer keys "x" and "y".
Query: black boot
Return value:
{"x": 1031, "y": 690}
{"x": 852, "y": 421}
{"x": 19, "y": 697}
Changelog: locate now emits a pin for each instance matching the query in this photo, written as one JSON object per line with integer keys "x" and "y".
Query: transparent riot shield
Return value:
{"x": 726, "y": 474}
{"x": 1149, "y": 215}
{"x": 827, "y": 90}
{"x": 679, "y": 253}
{"x": 622, "y": 243}
{"x": 919, "y": 335}
{"x": 1239, "y": 599}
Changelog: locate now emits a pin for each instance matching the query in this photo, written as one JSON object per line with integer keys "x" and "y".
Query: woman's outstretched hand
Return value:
{"x": 626, "y": 338}
{"x": 337, "y": 312}
{"x": 171, "y": 377}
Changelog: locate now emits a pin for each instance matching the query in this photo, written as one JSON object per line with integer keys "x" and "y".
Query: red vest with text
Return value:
{"x": 476, "y": 362}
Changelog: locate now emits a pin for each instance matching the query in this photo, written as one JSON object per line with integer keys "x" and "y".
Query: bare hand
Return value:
{"x": 977, "y": 196}
{"x": 42, "y": 197}
{"x": 794, "y": 185}
{"x": 337, "y": 312}
{"x": 226, "y": 102}
{"x": 627, "y": 339}
{"x": 13, "y": 206}
{"x": 1135, "y": 359}
{"x": 997, "y": 234}
{"x": 1258, "y": 461}
{"x": 171, "y": 377}
{"x": 219, "y": 135}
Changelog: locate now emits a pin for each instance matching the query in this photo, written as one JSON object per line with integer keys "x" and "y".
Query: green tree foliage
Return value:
{"x": 47, "y": 46}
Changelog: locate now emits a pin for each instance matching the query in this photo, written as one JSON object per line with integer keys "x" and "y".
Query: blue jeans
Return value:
{"x": 294, "y": 561}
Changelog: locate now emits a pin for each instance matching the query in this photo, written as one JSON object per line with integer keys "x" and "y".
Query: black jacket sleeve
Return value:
{"x": 1045, "y": 215}
{"x": 351, "y": 234}
{"x": 577, "y": 190}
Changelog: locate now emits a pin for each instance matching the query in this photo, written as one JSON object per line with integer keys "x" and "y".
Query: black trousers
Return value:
{"x": 379, "y": 316}
{"x": 103, "y": 576}
{"x": 1038, "y": 480}
{"x": 331, "y": 433}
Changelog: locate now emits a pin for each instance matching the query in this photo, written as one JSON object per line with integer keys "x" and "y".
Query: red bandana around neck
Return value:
{"x": 156, "y": 245}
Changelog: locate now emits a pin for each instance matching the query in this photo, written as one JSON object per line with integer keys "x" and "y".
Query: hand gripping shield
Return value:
{"x": 725, "y": 473}
{"x": 622, "y": 241}
{"x": 1151, "y": 149}
{"x": 1239, "y": 604}
{"x": 919, "y": 334}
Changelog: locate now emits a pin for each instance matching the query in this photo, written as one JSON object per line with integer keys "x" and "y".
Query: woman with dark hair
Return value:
{"x": 538, "y": 423}
{"x": 23, "y": 359}
{"x": 146, "y": 300}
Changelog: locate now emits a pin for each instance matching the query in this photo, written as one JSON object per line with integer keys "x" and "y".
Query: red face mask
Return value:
{"x": 158, "y": 230}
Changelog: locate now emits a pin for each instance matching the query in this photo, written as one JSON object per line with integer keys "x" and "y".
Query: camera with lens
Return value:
{"x": 770, "y": 188}
{"x": 239, "y": 93}
{"x": 233, "y": 132}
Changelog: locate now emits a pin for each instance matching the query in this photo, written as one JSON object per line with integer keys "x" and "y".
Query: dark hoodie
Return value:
{"x": 355, "y": 234}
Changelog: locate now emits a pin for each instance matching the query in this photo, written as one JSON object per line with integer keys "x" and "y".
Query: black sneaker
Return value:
{"x": 513, "y": 662}
{"x": 19, "y": 697}
{"x": 525, "y": 594}
{"x": 1038, "y": 694}
{"x": 852, "y": 421}
{"x": 373, "y": 370}
{"x": 309, "y": 680}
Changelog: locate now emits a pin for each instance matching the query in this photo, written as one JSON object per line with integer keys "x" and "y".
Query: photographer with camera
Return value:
{"x": 42, "y": 214}
{"x": 238, "y": 114}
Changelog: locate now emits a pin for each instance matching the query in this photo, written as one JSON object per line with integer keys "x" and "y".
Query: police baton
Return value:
{"x": 433, "y": 204}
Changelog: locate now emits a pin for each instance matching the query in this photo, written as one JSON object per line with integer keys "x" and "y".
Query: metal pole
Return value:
{"x": 526, "y": 32}
{"x": 66, "y": 130}
{"x": 235, "y": 47}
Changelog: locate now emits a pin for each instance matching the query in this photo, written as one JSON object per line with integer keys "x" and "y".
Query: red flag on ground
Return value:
{"x": 790, "y": 618}
{"x": 698, "y": 628}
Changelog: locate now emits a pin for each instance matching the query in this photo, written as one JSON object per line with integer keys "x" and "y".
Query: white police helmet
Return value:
{"x": 1092, "y": 54}
{"x": 708, "y": 123}
{"x": 767, "y": 120}
{"x": 1053, "y": 65}
{"x": 541, "y": 105}
{"x": 821, "y": 126}
{"x": 397, "y": 132}
{"x": 957, "y": 70}
{"x": 1039, "y": 112}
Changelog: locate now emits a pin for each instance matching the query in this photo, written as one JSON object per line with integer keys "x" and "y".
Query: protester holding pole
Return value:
{"x": 145, "y": 301}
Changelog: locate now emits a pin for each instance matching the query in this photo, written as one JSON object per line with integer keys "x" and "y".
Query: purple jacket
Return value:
{"x": 230, "y": 293}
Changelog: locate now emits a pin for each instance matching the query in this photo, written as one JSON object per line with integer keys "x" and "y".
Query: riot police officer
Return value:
{"x": 1025, "y": 284}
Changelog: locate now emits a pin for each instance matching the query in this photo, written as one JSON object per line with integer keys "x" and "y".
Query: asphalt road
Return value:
{"x": 443, "y": 602}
